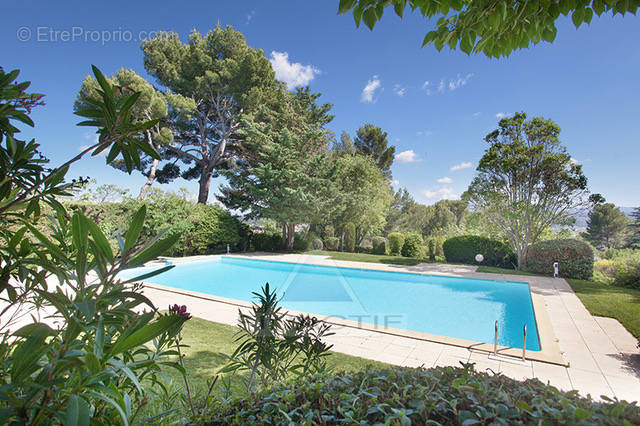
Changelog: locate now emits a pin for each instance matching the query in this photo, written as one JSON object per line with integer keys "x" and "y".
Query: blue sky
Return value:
{"x": 586, "y": 81}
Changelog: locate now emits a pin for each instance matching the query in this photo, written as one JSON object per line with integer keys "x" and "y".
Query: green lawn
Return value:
{"x": 371, "y": 258}
{"x": 209, "y": 340}
{"x": 496, "y": 270}
{"x": 605, "y": 300}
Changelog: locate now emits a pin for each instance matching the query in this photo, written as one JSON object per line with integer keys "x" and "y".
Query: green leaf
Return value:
{"x": 101, "y": 241}
{"x": 78, "y": 413}
{"x": 370, "y": 17}
{"x": 346, "y": 5}
{"x": 577, "y": 17}
{"x": 133, "y": 233}
{"x": 149, "y": 274}
{"x": 145, "y": 334}
{"x": 156, "y": 248}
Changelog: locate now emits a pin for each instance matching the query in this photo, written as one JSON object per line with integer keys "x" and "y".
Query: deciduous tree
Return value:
{"x": 526, "y": 181}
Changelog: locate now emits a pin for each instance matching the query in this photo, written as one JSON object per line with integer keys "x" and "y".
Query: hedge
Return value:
{"x": 379, "y": 245}
{"x": 204, "y": 229}
{"x": 443, "y": 395}
{"x": 349, "y": 237}
{"x": 266, "y": 242}
{"x": 575, "y": 258}
{"x": 464, "y": 248}
{"x": 412, "y": 246}
{"x": 396, "y": 241}
{"x": 434, "y": 247}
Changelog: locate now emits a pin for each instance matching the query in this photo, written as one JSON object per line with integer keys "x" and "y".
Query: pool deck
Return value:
{"x": 592, "y": 355}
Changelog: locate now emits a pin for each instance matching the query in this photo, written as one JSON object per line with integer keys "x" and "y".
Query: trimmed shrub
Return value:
{"x": 412, "y": 246}
{"x": 317, "y": 244}
{"x": 464, "y": 248}
{"x": 575, "y": 258}
{"x": 379, "y": 245}
{"x": 332, "y": 243}
{"x": 443, "y": 395}
{"x": 266, "y": 242}
{"x": 396, "y": 241}
{"x": 349, "y": 237}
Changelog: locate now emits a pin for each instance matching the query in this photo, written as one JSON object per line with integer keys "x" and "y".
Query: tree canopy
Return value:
{"x": 371, "y": 141}
{"x": 493, "y": 27}
{"x": 606, "y": 226}
{"x": 214, "y": 82}
{"x": 526, "y": 181}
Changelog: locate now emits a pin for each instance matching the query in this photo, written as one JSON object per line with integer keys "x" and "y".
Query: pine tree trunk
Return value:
{"x": 205, "y": 181}
{"x": 150, "y": 179}
{"x": 291, "y": 232}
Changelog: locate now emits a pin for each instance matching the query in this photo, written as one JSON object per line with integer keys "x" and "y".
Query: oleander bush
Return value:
{"x": 403, "y": 396}
{"x": 349, "y": 238}
{"x": 379, "y": 245}
{"x": 396, "y": 241}
{"x": 464, "y": 248}
{"x": 266, "y": 242}
{"x": 575, "y": 258}
{"x": 412, "y": 246}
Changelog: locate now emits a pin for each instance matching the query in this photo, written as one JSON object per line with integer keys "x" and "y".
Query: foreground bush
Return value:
{"x": 575, "y": 258}
{"x": 412, "y": 246}
{"x": 445, "y": 395}
{"x": 434, "y": 248}
{"x": 379, "y": 245}
{"x": 464, "y": 248}
{"x": 396, "y": 241}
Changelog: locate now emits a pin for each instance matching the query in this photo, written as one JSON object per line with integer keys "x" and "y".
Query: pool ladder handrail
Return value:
{"x": 524, "y": 341}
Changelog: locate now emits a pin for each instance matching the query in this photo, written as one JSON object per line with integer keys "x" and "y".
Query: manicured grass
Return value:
{"x": 496, "y": 270}
{"x": 605, "y": 300}
{"x": 371, "y": 258}
{"x": 208, "y": 341}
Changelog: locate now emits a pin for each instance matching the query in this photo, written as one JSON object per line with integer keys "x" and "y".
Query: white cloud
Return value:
{"x": 293, "y": 74}
{"x": 574, "y": 160}
{"x": 441, "y": 86}
{"x": 442, "y": 193}
{"x": 459, "y": 81}
{"x": 399, "y": 90}
{"x": 463, "y": 165}
{"x": 445, "y": 180}
{"x": 395, "y": 182}
{"x": 427, "y": 87}
{"x": 501, "y": 115}
{"x": 408, "y": 156}
{"x": 250, "y": 16}
{"x": 476, "y": 114}
{"x": 370, "y": 89}
{"x": 424, "y": 133}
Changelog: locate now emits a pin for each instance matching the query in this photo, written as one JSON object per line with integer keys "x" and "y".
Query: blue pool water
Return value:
{"x": 455, "y": 307}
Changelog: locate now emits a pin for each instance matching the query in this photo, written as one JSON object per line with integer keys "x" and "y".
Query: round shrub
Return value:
{"x": 349, "y": 237}
{"x": 331, "y": 243}
{"x": 412, "y": 246}
{"x": 464, "y": 248}
{"x": 266, "y": 242}
{"x": 575, "y": 258}
{"x": 379, "y": 245}
{"x": 396, "y": 241}
{"x": 623, "y": 271}
{"x": 443, "y": 395}
{"x": 317, "y": 244}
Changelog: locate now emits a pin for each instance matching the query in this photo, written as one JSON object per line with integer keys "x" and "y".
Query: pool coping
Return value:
{"x": 549, "y": 347}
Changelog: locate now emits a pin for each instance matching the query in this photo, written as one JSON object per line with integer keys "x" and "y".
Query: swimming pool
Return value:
{"x": 463, "y": 308}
